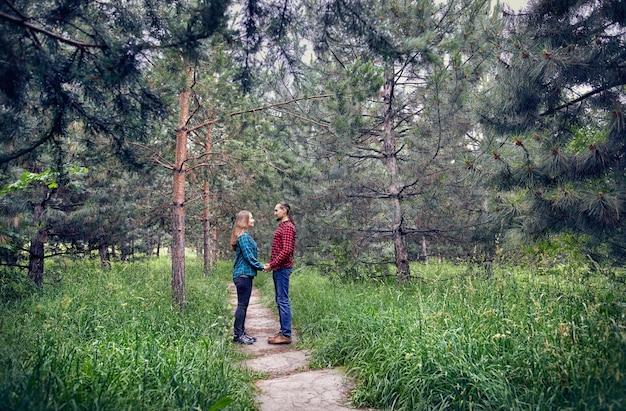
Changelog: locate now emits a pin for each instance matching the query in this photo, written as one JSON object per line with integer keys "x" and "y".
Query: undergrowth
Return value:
{"x": 516, "y": 341}
{"x": 111, "y": 340}
{"x": 453, "y": 339}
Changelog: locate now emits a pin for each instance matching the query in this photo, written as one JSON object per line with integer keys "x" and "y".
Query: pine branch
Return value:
{"x": 2, "y": 264}
{"x": 366, "y": 156}
{"x": 199, "y": 126}
{"x": 376, "y": 194}
{"x": 23, "y": 21}
{"x": 56, "y": 126}
{"x": 583, "y": 97}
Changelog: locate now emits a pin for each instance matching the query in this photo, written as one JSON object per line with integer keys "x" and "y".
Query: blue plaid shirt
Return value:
{"x": 246, "y": 261}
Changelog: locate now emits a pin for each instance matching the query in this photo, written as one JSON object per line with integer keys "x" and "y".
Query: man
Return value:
{"x": 281, "y": 263}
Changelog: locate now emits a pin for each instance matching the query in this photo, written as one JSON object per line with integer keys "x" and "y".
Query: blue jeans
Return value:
{"x": 281, "y": 294}
{"x": 244, "y": 290}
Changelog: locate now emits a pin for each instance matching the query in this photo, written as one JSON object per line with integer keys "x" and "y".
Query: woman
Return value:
{"x": 245, "y": 268}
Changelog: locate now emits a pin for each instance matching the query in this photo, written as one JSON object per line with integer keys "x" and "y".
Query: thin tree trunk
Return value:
{"x": 206, "y": 228}
{"x": 401, "y": 253}
{"x": 206, "y": 218}
{"x": 103, "y": 252}
{"x": 214, "y": 251}
{"x": 178, "y": 203}
{"x": 35, "y": 263}
{"x": 424, "y": 250}
{"x": 150, "y": 243}
{"x": 38, "y": 240}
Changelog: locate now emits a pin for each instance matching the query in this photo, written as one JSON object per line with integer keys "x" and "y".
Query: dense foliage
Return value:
{"x": 76, "y": 95}
{"x": 399, "y": 131}
{"x": 555, "y": 143}
{"x": 80, "y": 65}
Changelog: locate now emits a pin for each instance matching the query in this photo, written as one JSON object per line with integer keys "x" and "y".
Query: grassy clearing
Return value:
{"x": 111, "y": 340}
{"x": 518, "y": 341}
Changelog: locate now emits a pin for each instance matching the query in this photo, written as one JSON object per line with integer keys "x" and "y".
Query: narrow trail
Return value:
{"x": 289, "y": 383}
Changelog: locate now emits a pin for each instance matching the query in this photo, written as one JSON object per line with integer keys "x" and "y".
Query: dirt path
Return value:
{"x": 289, "y": 383}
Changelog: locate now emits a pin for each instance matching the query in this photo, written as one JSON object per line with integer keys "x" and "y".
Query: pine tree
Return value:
{"x": 402, "y": 74}
{"x": 77, "y": 68}
{"x": 554, "y": 121}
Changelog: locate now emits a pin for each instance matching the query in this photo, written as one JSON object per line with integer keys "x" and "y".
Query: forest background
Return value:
{"x": 405, "y": 135}
{"x": 399, "y": 132}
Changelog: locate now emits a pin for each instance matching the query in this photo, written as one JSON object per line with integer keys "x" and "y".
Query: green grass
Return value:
{"x": 453, "y": 340}
{"x": 518, "y": 341}
{"x": 111, "y": 340}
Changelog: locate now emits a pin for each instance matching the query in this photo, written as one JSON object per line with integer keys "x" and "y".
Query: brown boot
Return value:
{"x": 279, "y": 338}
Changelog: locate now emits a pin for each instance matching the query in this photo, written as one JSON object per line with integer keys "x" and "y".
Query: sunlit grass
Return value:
{"x": 454, "y": 340}
{"x": 110, "y": 339}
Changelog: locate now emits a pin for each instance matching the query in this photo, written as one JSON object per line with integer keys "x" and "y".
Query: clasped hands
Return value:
{"x": 266, "y": 268}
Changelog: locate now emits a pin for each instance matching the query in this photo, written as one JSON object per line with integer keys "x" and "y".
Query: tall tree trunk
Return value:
{"x": 403, "y": 272}
{"x": 206, "y": 228}
{"x": 206, "y": 194}
{"x": 178, "y": 203}
{"x": 158, "y": 246}
{"x": 149, "y": 246}
{"x": 38, "y": 240}
{"x": 214, "y": 251}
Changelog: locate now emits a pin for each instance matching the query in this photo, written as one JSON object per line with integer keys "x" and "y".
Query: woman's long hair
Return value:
{"x": 242, "y": 222}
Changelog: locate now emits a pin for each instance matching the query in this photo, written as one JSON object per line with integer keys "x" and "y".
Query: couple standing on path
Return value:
{"x": 247, "y": 264}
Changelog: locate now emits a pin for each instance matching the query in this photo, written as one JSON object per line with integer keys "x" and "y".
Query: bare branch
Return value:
{"x": 156, "y": 155}
{"x": 205, "y": 124}
{"x": 310, "y": 120}
{"x": 282, "y": 103}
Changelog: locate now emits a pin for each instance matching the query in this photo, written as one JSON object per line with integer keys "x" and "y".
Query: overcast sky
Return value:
{"x": 515, "y": 4}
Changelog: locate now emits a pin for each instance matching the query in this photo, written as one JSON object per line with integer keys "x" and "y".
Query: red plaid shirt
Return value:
{"x": 283, "y": 245}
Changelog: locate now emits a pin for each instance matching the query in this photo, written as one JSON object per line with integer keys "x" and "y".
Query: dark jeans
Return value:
{"x": 281, "y": 294}
{"x": 244, "y": 290}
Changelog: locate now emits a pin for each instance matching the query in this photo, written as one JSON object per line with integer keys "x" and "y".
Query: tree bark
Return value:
{"x": 403, "y": 272}
{"x": 214, "y": 251}
{"x": 103, "y": 252}
{"x": 38, "y": 240}
{"x": 178, "y": 203}
{"x": 206, "y": 229}
{"x": 206, "y": 218}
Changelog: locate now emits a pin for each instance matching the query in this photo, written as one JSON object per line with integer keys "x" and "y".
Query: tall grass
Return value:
{"x": 517, "y": 341}
{"x": 110, "y": 340}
